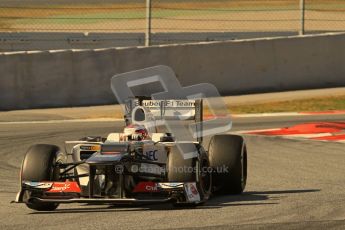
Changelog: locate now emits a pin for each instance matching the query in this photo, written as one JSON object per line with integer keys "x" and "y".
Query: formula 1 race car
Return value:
{"x": 137, "y": 166}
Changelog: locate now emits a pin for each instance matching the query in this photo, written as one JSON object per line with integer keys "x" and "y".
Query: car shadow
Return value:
{"x": 250, "y": 198}
{"x": 253, "y": 198}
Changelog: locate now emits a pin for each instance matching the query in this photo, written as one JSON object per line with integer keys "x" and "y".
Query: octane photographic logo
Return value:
{"x": 145, "y": 82}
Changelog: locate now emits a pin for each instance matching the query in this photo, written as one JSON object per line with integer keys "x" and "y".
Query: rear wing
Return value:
{"x": 174, "y": 109}
{"x": 161, "y": 83}
{"x": 171, "y": 109}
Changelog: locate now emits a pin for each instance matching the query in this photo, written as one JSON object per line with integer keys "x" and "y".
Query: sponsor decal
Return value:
{"x": 90, "y": 147}
{"x": 146, "y": 187}
{"x": 192, "y": 193}
{"x": 65, "y": 187}
{"x": 194, "y": 190}
{"x": 169, "y": 103}
{"x": 111, "y": 153}
{"x": 152, "y": 155}
{"x": 116, "y": 156}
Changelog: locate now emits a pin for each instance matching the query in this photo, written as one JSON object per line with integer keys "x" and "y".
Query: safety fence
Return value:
{"x": 163, "y": 21}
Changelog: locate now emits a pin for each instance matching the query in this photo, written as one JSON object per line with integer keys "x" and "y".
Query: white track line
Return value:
{"x": 270, "y": 114}
{"x": 255, "y": 131}
{"x": 61, "y": 121}
{"x": 284, "y": 114}
{"x": 308, "y": 139}
{"x": 312, "y": 135}
{"x": 307, "y": 135}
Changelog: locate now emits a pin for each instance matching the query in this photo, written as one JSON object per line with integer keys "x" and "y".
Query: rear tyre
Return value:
{"x": 39, "y": 164}
{"x": 190, "y": 170}
{"x": 228, "y": 158}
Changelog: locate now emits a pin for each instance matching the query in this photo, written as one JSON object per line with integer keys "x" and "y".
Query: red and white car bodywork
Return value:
{"x": 121, "y": 169}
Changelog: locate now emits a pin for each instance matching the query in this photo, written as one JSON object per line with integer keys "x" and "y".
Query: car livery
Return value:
{"x": 125, "y": 169}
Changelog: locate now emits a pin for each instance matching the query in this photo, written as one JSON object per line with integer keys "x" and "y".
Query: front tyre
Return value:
{"x": 228, "y": 158}
{"x": 179, "y": 170}
{"x": 39, "y": 164}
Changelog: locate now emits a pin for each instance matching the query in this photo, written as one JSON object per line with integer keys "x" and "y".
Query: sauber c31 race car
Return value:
{"x": 137, "y": 166}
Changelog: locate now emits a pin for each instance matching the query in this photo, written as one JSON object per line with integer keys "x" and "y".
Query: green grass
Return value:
{"x": 82, "y": 18}
{"x": 317, "y": 104}
{"x": 85, "y": 18}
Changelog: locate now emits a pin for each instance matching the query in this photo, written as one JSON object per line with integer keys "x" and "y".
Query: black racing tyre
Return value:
{"x": 39, "y": 165}
{"x": 190, "y": 170}
{"x": 228, "y": 158}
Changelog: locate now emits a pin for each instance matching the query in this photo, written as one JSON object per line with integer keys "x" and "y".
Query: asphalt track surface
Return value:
{"x": 292, "y": 184}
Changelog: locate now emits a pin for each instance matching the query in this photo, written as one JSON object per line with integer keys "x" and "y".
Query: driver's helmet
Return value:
{"x": 135, "y": 132}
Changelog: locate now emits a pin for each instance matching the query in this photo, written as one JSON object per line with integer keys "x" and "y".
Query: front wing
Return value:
{"x": 70, "y": 192}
